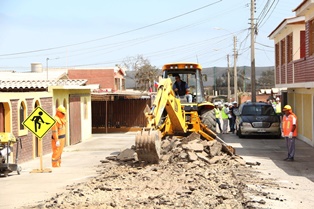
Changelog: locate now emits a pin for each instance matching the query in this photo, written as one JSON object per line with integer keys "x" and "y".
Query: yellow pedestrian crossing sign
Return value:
{"x": 39, "y": 122}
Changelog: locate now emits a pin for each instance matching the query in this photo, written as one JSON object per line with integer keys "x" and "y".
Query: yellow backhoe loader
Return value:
{"x": 173, "y": 114}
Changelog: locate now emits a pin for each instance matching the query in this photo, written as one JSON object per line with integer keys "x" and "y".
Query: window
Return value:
{"x": 289, "y": 48}
{"x": 268, "y": 110}
{"x": 22, "y": 109}
{"x": 249, "y": 110}
{"x": 277, "y": 54}
{"x": 117, "y": 84}
{"x": 22, "y": 115}
{"x": 283, "y": 51}
{"x": 302, "y": 44}
{"x": 311, "y": 37}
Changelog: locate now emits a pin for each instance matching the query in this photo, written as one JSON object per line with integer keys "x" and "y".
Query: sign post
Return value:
{"x": 39, "y": 122}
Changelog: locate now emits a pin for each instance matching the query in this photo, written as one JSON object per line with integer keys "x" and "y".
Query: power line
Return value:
{"x": 261, "y": 25}
{"x": 111, "y": 36}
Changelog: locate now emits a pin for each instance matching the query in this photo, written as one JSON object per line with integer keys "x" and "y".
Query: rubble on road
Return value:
{"x": 192, "y": 173}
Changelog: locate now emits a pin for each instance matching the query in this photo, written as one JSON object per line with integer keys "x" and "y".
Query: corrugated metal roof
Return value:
{"x": 52, "y": 74}
{"x": 39, "y": 84}
{"x": 36, "y": 81}
{"x": 109, "y": 96}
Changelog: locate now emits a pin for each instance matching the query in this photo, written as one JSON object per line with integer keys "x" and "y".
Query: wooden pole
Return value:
{"x": 41, "y": 169}
{"x": 41, "y": 153}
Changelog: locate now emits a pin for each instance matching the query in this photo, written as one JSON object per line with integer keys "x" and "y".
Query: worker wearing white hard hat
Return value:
{"x": 218, "y": 116}
{"x": 224, "y": 117}
{"x": 278, "y": 107}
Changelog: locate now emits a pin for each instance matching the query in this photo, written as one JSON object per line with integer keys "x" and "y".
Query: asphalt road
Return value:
{"x": 296, "y": 179}
{"x": 80, "y": 162}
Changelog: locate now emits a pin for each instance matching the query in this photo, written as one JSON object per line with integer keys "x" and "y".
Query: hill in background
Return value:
{"x": 211, "y": 73}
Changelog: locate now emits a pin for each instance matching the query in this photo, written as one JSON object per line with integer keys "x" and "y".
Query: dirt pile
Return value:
{"x": 193, "y": 173}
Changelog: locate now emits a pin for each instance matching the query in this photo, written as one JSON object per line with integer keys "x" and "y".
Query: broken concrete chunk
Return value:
{"x": 215, "y": 159}
{"x": 203, "y": 157}
{"x": 126, "y": 155}
{"x": 183, "y": 155}
{"x": 192, "y": 156}
{"x": 197, "y": 147}
{"x": 215, "y": 149}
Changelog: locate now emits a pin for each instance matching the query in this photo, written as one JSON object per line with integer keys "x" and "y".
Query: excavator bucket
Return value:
{"x": 148, "y": 145}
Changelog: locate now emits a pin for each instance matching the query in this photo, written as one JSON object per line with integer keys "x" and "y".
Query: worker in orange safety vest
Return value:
{"x": 58, "y": 136}
{"x": 289, "y": 131}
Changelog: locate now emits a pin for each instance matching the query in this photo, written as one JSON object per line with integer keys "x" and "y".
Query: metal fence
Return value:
{"x": 119, "y": 113}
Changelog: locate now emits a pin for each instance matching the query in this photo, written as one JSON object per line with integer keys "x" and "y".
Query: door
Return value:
{"x": 2, "y": 119}
{"x": 75, "y": 119}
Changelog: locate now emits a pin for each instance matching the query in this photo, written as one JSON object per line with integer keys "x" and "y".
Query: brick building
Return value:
{"x": 294, "y": 61}
{"x": 110, "y": 79}
{"x": 20, "y": 96}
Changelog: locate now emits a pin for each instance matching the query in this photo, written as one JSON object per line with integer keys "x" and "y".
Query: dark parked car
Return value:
{"x": 257, "y": 118}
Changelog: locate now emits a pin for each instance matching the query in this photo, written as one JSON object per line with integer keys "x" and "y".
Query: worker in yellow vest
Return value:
{"x": 278, "y": 108}
{"x": 58, "y": 136}
{"x": 289, "y": 131}
{"x": 225, "y": 118}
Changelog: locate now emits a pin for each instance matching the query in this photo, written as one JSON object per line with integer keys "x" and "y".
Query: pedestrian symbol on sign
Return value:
{"x": 39, "y": 122}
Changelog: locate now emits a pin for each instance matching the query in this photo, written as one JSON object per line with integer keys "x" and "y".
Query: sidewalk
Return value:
{"x": 78, "y": 163}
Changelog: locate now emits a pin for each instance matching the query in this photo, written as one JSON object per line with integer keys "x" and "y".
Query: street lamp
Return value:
{"x": 47, "y": 59}
{"x": 47, "y": 67}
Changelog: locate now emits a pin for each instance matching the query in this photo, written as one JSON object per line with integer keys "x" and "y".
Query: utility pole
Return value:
{"x": 228, "y": 73}
{"x": 215, "y": 81}
{"x": 253, "y": 52}
{"x": 235, "y": 69}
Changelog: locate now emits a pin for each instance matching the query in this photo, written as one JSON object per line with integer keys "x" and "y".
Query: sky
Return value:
{"x": 103, "y": 33}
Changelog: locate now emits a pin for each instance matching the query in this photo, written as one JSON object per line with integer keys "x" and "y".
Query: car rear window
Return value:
{"x": 258, "y": 110}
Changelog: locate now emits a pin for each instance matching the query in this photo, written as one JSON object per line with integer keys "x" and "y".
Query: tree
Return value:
{"x": 267, "y": 79}
{"x": 145, "y": 73}
{"x": 145, "y": 77}
{"x": 134, "y": 63}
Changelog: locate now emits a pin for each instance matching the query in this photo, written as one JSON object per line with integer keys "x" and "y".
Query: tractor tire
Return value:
{"x": 208, "y": 118}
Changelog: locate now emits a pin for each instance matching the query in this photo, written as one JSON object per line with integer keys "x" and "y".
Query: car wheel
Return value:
{"x": 239, "y": 133}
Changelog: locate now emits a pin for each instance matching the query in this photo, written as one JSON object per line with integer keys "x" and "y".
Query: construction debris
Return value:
{"x": 192, "y": 173}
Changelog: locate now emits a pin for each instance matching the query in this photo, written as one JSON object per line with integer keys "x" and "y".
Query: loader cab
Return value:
{"x": 189, "y": 73}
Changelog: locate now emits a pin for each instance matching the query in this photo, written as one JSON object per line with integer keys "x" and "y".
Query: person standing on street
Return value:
{"x": 234, "y": 117}
{"x": 218, "y": 116}
{"x": 58, "y": 136}
{"x": 289, "y": 131}
{"x": 224, "y": 116}
{"x": 230, "y": 117}
{"x": 278, "y": 108}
